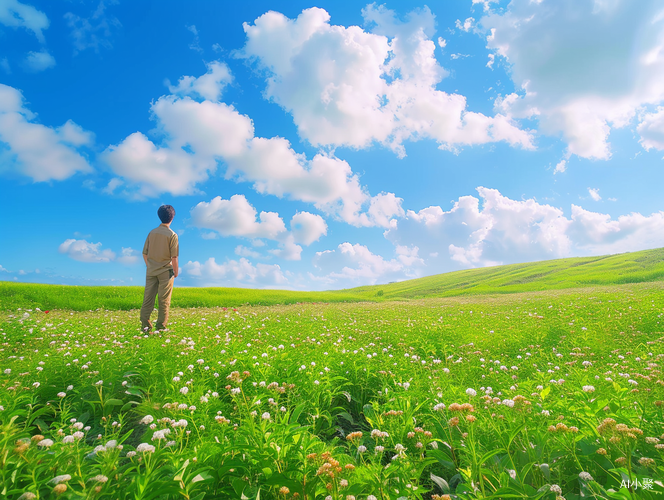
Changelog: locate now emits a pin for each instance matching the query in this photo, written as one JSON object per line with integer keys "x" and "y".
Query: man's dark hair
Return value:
{"x": 166, "y": 213}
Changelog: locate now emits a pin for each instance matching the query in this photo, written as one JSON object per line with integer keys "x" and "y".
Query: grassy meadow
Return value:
{"x": 540, "y": 394}
{"x": 635, "y": 267}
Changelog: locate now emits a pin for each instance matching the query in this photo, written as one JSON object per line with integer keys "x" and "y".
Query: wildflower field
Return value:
{"x": 531, "y": 395}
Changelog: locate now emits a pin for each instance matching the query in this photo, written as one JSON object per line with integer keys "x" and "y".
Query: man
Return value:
{"x": 160, "y": 254}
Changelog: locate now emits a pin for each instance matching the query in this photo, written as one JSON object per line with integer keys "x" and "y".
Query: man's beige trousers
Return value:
{"x": 161, "y": 285}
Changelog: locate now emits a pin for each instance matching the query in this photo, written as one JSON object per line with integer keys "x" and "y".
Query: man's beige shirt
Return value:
{"x": 160, "y": 246}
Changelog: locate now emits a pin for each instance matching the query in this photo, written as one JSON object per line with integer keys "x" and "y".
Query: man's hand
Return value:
{"x": 174, "y": 262}
{"x": 145, "y": 258}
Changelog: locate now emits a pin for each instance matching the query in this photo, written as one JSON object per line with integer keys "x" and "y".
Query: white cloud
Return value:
{"x": 350, "y": 87}
{"x": 94, "y": 31}
{"x": 209, "y": 86}
{"x": 467, "y": 25}
{"x": 198, "y": 135}
{"x": 39, "y": 61}
{"x": 599, "y": 234}
{"x": 561, "y": 166}
{"x": 154, "y": 169}
{"x": 83, "y": 251}
{"x": 441, "y": 42}
{"x": 237, "y": 217}
{"x": 19, "y": 15}
{"x": 307, "y": 227}
{"x": 128, "y": 256}
{"x": 585, "y": 67}
{"x": 243, "y": 251}
{"x": 594, "y": 194}
{"x": 505, "y": 231}
{"x": 651, "y": 130}
{"x": 35, "y": 150}
{"x": 355, "y": 265}
{"x": 235, "y": 273}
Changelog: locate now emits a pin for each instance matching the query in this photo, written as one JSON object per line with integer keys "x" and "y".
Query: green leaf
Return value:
{"x": 441, "y": 483}
{"x": 545, "y": 392}
{"x": 113, "y": 402}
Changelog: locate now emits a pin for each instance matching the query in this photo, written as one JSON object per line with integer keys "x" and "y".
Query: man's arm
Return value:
{"x": 145, "y": 258}
{"x": 174, "y": 262}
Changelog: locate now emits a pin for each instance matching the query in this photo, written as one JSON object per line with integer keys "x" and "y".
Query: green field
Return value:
{"x": 635, "y": 267}
{"x": 524, "y": 393}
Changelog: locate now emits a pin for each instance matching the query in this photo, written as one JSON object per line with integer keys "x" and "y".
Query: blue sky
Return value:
{"x": 326, "y": 145}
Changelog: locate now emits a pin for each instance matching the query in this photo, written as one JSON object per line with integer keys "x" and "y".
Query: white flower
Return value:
{"x": 556, "y": 489}
{"x": 111, "y": 444}
{"x": 60, "y": 479}
{"x": 145, "y": 448}
{"x": 100, "y": 478}
{"x": 439, "y": 407}
{"x": 204, "y": 399}
{"x": 27, "y": 496}
{"x": 45, "y": 443}
{"x": 68, "y": 439}
{"x": 585, "y": 476}
{"x": 147, "y": 419}
{"x": 361, "y": 448}
{"x": 265, "y": 416}
{"x": 508, "y": 402}
{"x": 471, "y": 392}
{"x": 78, "y": 425}
{"x": 61, "y": 394}
{"x": 78, "y": 435}
{"x": 512, "y": 473}
{"x": 184, "y": 390}
{"x": 131, "y": 454}
{"x": 99, "y": 382}
{"x": 588, "y": 388}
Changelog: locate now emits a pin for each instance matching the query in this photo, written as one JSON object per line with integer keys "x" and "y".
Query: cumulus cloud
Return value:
{"x": 19, "y": 15}
{"x": 354, "y": 265}
{"x": 84, "y": 251}
{"x": 208, "y": 86}
{"x": 237, "y": 217}
{"x": 594, "y": 194}
{"x": 651, "y": 130}
{"x": 94, "y": 31}
{"x": 494, "y": 229}
{"x": 307, "y": 227}
{"x": 36, "y": 62}
{"x": 351, "y": 87}
{"x": 235, "y": 273}
{"x": 35, "y": 150}
{"x": 584, "y": 67}
{"x": 561, "y": 166}
{"x": 198, "y": 135}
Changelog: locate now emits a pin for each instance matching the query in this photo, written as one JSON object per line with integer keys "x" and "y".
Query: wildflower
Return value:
{"x": 27, "y": 496}
{"x": 284, "y": 490}
{"x": 100, "y": 478}
{"x": 60, "y": 479}
{"x": 78, "y": 435}
{"x": 145, "y": 448}
{"x": 147, "y": 419}
{"x": 439, "y": 407}
{"x": 512, "y": 473}
{"x": 379, "y": 449}
{"x": 265, "y": 416}
{"x": 646, "y": 462}
{"x": 184, "y": 390}
{"x": 45, "y": 443}
{"x": 584, "y": 476}
{"x": 59, "y": 489}
{"x": 131, "y": 454}
{"x": 556, "y": 489}
{"x": 471, "y": 392}
{"x": 68, "y": 439}
{"x": 588, "y": 388}
{"x": 343, "y": 483}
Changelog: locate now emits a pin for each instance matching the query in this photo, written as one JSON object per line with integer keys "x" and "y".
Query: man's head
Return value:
{"x": 166, "y": 214}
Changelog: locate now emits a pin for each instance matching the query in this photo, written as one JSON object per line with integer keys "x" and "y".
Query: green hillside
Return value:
{"x": 635, "y": 267}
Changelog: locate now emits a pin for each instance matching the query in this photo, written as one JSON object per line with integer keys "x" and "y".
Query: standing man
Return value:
{"x": 160, "y": 253}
